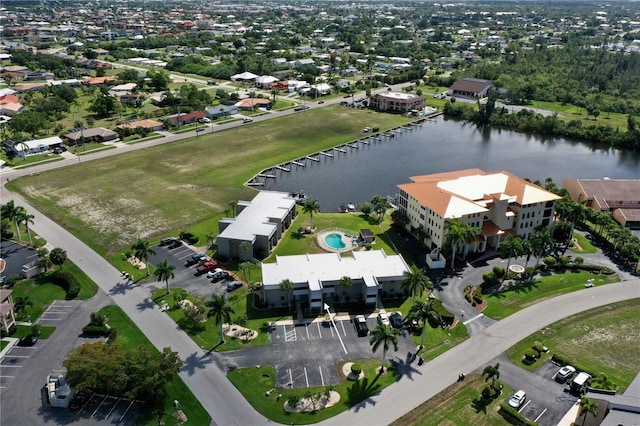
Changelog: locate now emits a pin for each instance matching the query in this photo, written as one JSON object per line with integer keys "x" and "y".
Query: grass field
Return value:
{"x": 254, "y": 382}
{"x": 459, "y": 404}
{"x": 149, "y": 193}
{"x": 602, "y": 340}
{"x": 130, "y": 337}
{"x": 585, "y": 246}
{"x": 507, "y": 302}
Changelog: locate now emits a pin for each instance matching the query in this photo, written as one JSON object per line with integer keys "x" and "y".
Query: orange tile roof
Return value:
{"x": 9, "y": 99}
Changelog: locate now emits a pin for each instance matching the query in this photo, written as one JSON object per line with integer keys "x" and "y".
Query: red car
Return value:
{"x": 206, "y": 267}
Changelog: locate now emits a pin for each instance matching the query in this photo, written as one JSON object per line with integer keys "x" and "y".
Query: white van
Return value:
{"x": 580, "y": 383}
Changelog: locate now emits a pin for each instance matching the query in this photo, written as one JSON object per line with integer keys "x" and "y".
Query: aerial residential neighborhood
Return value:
{"x": 319, "y": 213}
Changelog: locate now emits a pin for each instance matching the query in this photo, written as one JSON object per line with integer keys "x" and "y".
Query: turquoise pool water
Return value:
{"x": 334, "y": 241}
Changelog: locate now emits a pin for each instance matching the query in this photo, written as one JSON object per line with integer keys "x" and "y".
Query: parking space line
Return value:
{"x": 16, "y": 356}
{"x": 113, "y": 408}
{"x": 305, "y": 376}
{"x": 7, "y": 377}
{"x": 86, "y": 403}
{"x": 319, "y": 332}
{"x": 321, "y": 376}
{"x": 538, "y": 418}
{"x": 523, "y": 407}
{"x": 100, "y": 405}
{"x": 10, "y": 366}
{"x": 127, "y": 410}
{"x": 185, "y": 256}
{"x": 306, "y": 327}
{"x": 343, "y": 330}
{"x": 331, "y": 328}
{"x": 290, "y": 378}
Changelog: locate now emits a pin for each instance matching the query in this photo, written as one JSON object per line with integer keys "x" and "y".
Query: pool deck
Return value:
{"x": 347, "y": 239}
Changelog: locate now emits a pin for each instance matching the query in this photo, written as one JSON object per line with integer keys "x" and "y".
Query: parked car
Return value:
{"x": 517, "y": 399}
{"x": 565, "y": 373}
{"x": 383, "y": 319}
{"x": 195, "y": 259}
{"x": 320, "y": 102}
{"x": 396, "y": 320}
{"x": 222, "y": 276}
{"x": 200, "y": 129}
{"x": 57, "y": 150}
{"x": 233, "y": 285}
{"x": 166, "y": 241}
{"x": 361, "y": 325}
{"x": 211, "y": 274}
{"x": 247, "y": 120}
{"x": 175, "y": 244}
{"x": 206, "y": 267}
{"x": 212, "y": 83}
{"x": 27, "y": 341}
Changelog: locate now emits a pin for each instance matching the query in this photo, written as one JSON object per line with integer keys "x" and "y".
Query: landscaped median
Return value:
{"x": 258, "y": 385}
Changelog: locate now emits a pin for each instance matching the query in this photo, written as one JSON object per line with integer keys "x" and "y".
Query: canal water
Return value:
{"x": 442, "y": 145}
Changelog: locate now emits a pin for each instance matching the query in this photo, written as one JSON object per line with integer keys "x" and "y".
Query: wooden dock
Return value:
{"x": 297, "y": 163}
{"x": 312, "y": 158}
{"x": 344, "y": 151}
{"x": 328, "y": 154}
{"x": 284, "y": 169}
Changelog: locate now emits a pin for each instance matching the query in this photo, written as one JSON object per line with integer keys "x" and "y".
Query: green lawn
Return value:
{"x": 29, "y": 160}
{"x": 207, "y": 334}
{"x": 602, "y": 340}
{"x": 108, "y": 203}
{"x": 3, "y": 344}
{"x": 585, "y": 246}
{"x": 506, "y": 303}
{"x": 42, "y": 292}
{"x": 572, "y": 112}
{"x": 459, "y": 404}
{"x": 130, "y": 337}
{"x": 253, "y": 382}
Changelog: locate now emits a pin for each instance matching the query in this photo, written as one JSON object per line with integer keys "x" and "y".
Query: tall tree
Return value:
{"x": 511, "y": 247}
{"x": 386, "y": 337}
{"x": 415, "y": 282}
{"x": 245, "y": 268}
{"x": 12, "y": 212}
{"x": 164, "y": 272}
{"x": 380, "y": 205}
{"x": 142, "y": 251}
{"x": 424, "y": 311}
{"x": 26, "y": 218}
{"x": 311, "y": 207}
{"x": 287, "y": 286}
{"x": 58, "y": 256}
{"x": 492, "y": 372}
{"x": 220, "y": 311}
{"x": 21, "y": 304}
{"x": 588, "y": 406}
{"x": 541, "y": 242}
{"x": 459, "y": 234}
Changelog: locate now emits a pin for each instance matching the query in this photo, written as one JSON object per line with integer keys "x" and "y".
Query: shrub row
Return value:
{"x": 512, "y": 414}
{"x": 188, "y": 237}
{"x": 68, "y": 282}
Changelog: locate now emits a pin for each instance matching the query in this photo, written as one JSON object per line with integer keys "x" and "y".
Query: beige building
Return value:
{"x": 396, "y": 102}
{"x": 618, "y": 197}
{"x": 7, "y": 314}
{"x": 498, "y": 203}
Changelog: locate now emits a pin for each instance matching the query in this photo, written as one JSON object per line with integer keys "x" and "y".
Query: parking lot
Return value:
{"x": 307, "y": 355}
{"x": 547, "y": 402}
{"x": 15, "y": 255}
{"x": 185, "y": 276}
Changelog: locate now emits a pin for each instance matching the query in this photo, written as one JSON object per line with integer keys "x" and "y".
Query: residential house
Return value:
{"x": 98, "y": 134}
{"x": 145, "y": 124}
{"x": 249, "y": 104}
{"x": 258, "y": 226}
{"x": 219, "y": 111}
{"x": 35, "y": 146}
{"x": 498, "y": 204}
{"x": 244, "y": 77}
{"x": 303, "y": 62}
{"x": 470, "y": 88}
{"x": 187, "y": 118}
{"x": 618, "y": 197}
{"x": 266, "y": 81}
{"x": 316, "y": 278}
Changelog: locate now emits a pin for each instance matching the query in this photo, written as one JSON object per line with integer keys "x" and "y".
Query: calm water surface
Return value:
{"x": 444, "y": 145}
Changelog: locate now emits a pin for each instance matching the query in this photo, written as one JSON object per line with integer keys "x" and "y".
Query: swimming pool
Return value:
{"x": 334, "y": 241}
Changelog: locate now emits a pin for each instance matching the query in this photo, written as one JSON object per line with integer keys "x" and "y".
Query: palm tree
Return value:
{"x": 245, "y": 268}
{"x": 385, "y": 336}
{"x": 415, "y": 282}
{"x": 164, "y": 272}
{"x": 527, "y": 250}
{"x": 424, "y": 311}
{"x": 58, "y": 256}
{"x": 142, "y": 250}
{"x": 26, "y": 218}
{"x": 311, "y": 207}
{"x": 211, "y": 237}
{"x": 21, "y": 304}
{"x": 541, "y": 242}
{"x": 287, "y": 286}
{"x": 587, "y": 406}
{"x": 459, "y": 233}
{"x": 345, "y": 282}
{"x": 44, "y": 262}
{"x": 511, "y": 247}
{"x": 492, "y": 372}
{"x": 220, "y": 311}
{"x": 11, "y": 212}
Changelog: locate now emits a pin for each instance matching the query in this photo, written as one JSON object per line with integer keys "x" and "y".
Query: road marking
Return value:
{"x": 7, "y": 377}
{"x": 184, "y": 257}
{"x": 290, "y": 378}
{"x": 113, "y": 408}
{"x": 319, "y": 332}
{"x": 343, "y": 330}
{"x": 538, "y": 418}
{"x": 306, "y": 327}
{"x": 321, "y": 376}
{"x": 522, "y": 408}
{"x": 305, "y": 376}
{"x": 125, "y": 411}
{"x": 10, "y": 366}
{"x": 100, "y": 405}
{"x": 55, "y": 312}
{"x": 473, "y": 319}
{"x": 16, "y": 356}
{"x": 331, "y": 328}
